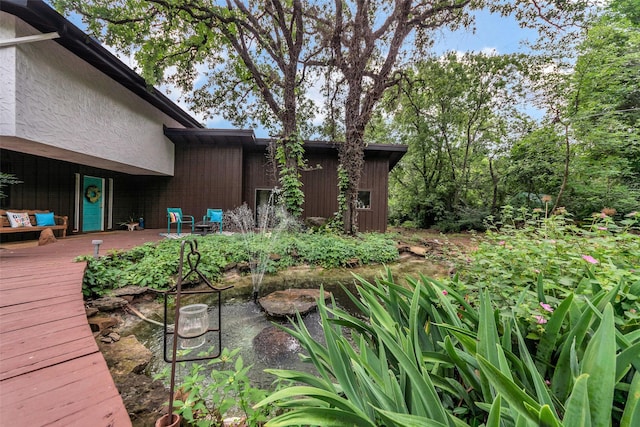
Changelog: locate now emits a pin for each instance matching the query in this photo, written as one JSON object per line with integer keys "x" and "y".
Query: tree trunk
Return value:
{"x": 494, "y": 181}
{"x": 351, "y": 157}
{"x": 565, "y": 175}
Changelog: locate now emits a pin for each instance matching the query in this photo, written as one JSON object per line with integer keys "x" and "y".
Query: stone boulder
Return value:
{"x": 144, "y": 398}
{"x": 291, "y": 301}
{"x": 126, "y": 356}
{"x": 102, "y": 323}
{"x": 273, "y": 343}
{"x": 46, "y": 237}
{"x": 108, "y": 303}
{"x": 315, "y": 221}
{"x": 129, "y": 290}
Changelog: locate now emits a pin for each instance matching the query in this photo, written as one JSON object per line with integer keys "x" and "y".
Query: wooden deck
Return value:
{"x": 51, "y": 370}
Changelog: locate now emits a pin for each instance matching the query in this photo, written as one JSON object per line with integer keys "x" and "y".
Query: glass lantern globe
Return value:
{"x": 193, "y": 323}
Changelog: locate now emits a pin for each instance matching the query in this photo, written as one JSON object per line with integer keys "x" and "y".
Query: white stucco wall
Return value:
{"x": 7, "y": 78}
{"x": 67, "y": 109}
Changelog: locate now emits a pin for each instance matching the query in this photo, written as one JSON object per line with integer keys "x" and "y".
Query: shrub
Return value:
{"x": 527, "y": 259}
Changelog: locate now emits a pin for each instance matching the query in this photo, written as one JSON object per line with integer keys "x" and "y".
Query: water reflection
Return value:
{"x": 242, "y": 322}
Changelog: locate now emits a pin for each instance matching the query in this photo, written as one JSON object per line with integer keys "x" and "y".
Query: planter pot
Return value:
{"x": 164, "y": 421}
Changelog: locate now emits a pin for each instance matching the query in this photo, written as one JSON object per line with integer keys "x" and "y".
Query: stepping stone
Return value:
{"x": 291, "y": 301}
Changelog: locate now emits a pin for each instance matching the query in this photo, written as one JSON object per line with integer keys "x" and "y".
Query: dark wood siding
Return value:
{"x": 374, "y": 179}
{"x": 46, "y": 184}
{"x": 257, "y": 174}
{"x": 320, "y": 185}
{"x": 204, "y": 177}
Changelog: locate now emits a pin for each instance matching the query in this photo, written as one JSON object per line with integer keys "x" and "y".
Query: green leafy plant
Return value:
{"x": 155, "y": 265}
{"x": 210, "y": 392}
{"x": 5, "y": 180}
{"x": 526, "y": 259}
{"x": 422, "y": 355}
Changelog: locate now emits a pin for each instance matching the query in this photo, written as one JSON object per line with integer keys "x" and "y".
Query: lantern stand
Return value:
{"x": 180, "y": 330}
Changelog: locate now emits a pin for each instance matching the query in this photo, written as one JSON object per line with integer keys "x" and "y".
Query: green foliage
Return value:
{"x": 541, "y": 327}
{"x": 457, "y": 114}
{"x": 156, "y": 265}
{"x": 343, "y": 187}
{"x": 422, "y": 355}
{"x": 527, "y": 259}
{"x": 290, "y": 158}
{"x": 209, "y": 393}
{"x": 605, "y": 115}
{"x": 7, "y": 179}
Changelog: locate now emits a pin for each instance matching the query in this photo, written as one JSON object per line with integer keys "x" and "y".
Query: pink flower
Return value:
{"x": 602, "y": 228}
{"x": 444, "y": 292}
{"x": 546, "y": 307}
{"x": 541, "y": 320}
{"x": 589, "y": 259}
{"x": 501, "y": 242}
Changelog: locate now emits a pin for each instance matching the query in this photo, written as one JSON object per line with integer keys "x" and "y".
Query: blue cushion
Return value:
{"x": 44, "y": 219}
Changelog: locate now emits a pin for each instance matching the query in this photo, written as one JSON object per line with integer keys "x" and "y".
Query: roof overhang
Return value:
{"x": 247, "y": 140}
{"x": 392, "y": 152}
{"x": 235, "y": 137}
{"x": 45, "y": 19}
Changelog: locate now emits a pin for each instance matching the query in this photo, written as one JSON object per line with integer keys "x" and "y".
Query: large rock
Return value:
{"x": 129, "y": 290}
{"x": 108, "y": 303}
{"x": 46, "y": 237}
{"x": 291, "y": 301}
{"x": 126, "y": 356}
{"x": 144, "y": 398}
{"x": 273, "y": 343}
{"x": 102, "y": 323}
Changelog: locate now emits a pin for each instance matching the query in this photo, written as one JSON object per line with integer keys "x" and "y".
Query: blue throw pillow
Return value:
{"x": 44, "y": 219}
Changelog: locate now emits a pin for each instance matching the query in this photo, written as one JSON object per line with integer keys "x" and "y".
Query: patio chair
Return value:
{"x": 175, "y": 216}
{"x": 213, "y": 216}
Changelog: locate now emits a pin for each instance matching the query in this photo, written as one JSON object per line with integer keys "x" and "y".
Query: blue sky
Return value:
{"x": 492, "y": 31}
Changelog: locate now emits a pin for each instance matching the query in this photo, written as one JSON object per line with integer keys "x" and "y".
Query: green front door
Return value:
{"x": 92, "y": 204}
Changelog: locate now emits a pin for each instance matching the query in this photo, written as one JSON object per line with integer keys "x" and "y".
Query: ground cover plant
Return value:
{"x": 155, "y": 265}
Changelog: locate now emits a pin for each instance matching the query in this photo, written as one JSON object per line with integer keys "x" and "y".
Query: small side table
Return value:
{"x": 204, "y": 228}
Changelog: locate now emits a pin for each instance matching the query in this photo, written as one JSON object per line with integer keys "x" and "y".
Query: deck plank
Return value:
{"x": 90, "y": 396}
{"x": 38, "y": 313}
{"x": 51, "y": 370}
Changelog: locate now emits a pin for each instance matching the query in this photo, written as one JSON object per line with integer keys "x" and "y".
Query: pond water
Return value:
{"x": 242, "y": 321}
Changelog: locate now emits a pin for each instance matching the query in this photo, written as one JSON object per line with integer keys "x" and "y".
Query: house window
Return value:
{"x": 364, "y": 199}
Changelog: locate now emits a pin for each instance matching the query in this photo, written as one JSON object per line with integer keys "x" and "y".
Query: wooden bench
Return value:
{"x": 5, "y": 225}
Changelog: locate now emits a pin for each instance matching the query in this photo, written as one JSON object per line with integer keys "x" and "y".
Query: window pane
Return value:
{"x": 364, "y": 199}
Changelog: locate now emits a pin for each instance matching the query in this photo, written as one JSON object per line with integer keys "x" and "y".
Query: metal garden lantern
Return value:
{"x": 191, "y": 324}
